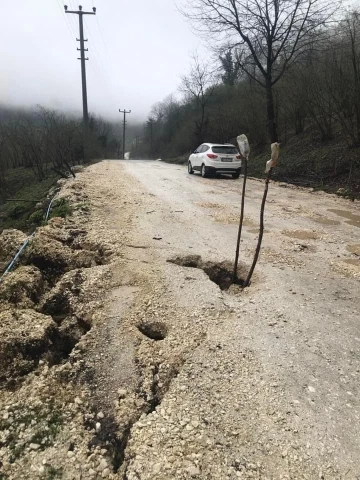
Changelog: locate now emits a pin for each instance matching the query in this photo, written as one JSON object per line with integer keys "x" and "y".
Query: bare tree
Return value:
{"x": 62, "y": 135}
{"x": 345, "y": 69}
{"x": 271, "y": 35}
{"x": 101, "y": 131}
{"x": 199, "y": 84}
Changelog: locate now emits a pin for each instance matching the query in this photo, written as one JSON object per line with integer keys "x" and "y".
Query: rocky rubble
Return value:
{"x": 10, "y": 242}
{"x": 25, "y": 336}
{"x": 22, "y": 287}
{"x": 50, "y": 300}
{"x": 147, "y": 370}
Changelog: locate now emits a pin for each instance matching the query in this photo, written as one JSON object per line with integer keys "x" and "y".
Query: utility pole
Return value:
{"x": 124, "y": 128}
{"x": 151, "y": 123}
{"x": 82, "y": 51}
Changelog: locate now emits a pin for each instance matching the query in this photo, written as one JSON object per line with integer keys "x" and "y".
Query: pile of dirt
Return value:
{"x": 10, "y": 242}
{"x": 23, "y": 287}
{"x": 56, "y": 283}
{"x": 53, "y": 256}
{"x": 49, "y": 301}
{"x": 25, "y": 335}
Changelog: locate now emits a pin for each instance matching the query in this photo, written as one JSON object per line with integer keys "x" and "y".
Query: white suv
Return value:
{"x": 213, "y": 158}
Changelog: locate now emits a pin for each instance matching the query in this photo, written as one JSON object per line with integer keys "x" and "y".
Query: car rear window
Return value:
{"x": 224, "y": 149}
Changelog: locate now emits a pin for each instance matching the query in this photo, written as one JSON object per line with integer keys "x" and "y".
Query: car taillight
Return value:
{"x": 238, "y": 157}
{"x": 212, "y": 156}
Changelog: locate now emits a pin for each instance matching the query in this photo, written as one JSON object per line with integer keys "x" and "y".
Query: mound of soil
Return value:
{"x": 25, "y": 335}
{"x": 22, "y": 287}
{"x": 10, "y": 242}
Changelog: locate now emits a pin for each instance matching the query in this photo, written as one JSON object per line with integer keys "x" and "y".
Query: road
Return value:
{"x": 153, "y": 372}
{"x": 266, "y": 383}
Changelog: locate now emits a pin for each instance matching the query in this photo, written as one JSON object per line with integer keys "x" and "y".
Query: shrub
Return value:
{"x": 17, "y": 211}
{"x": 36, "y": 218}
{"x": 61, "y": 208}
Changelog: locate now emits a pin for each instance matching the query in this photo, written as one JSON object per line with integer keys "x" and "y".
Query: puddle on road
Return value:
{"x": 289, "y": 209}
{"x": 248, "y": 222}
{"x": 301, "y": 234}
{"x": 353, "y": 219}
{"x": 349, "y": 267}
{"x": 355, "y": 249}
{"x": 325, "y": 221}
{"x": 229, "y": 219}
{"x": 255, "y": 231}
{"x": 352, "y": 261}
{"x": 209, "y": 205}
{"x": 233, "y": 219}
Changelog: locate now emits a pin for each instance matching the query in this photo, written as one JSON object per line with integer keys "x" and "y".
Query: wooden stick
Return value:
{"x": 261, "y": 232}
{"x": 241, "y": 221}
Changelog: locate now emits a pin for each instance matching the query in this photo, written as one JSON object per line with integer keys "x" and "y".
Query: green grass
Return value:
{"x": 53, "y": 473}
{"x": 61, "y": 208}
{"x": 23, "y": 187}
{"x": 306, "y": 161}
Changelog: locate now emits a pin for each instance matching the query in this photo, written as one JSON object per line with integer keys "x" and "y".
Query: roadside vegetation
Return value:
{"x": 36, "y": 149}
{"x": 315, "y": 97}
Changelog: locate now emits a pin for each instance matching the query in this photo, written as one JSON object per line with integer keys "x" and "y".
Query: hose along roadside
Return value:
{"x": 27, "y": 241}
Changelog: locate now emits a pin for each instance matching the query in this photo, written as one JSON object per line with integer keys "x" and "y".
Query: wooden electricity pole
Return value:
{"x": 124, "y": 128}
{"x": 82, "y": 58}
{"x": 150, "y": 123}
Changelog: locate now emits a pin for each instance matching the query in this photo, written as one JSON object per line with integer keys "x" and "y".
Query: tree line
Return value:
{"x": 50, "y": 142}
{"x": 282, "y": 69}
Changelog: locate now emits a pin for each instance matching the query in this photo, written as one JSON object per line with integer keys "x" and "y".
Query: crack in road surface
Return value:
{"x": 178, "y": 378}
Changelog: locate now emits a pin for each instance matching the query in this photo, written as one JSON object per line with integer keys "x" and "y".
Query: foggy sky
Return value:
{"x": 137, "y": 60}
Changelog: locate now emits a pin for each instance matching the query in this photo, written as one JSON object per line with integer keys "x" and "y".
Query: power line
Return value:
{"x": 99, "y": 69}
{"x": 73, "y": 23}
{"x": 102, "y": 62}
{"x": 70, "y": 21}
{"x": 97, "y": 55}
{"x": 67, "y": 24}
{"x": 102, "y": 36}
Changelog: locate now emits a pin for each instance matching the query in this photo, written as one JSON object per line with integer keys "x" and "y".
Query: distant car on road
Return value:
{"x": 215, "y": 158}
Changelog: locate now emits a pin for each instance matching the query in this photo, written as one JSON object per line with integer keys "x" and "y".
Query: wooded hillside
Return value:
{"x": 316, "y": 99}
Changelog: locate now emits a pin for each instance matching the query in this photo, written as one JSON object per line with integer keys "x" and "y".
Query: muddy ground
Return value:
{"x": 122, "y": 358}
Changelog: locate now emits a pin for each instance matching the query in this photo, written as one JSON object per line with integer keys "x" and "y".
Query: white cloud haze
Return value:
{"x": 137, "y": 50}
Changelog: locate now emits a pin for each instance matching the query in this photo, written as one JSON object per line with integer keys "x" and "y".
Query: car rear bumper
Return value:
{"x": 223, "y": 169}
{"x": 218, "y": 165}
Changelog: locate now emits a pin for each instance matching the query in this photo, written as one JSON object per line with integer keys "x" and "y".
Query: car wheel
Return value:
{"x": 190, "y": 169}
{"x": 235, "y": 175}
{"x": 203, "y": 171}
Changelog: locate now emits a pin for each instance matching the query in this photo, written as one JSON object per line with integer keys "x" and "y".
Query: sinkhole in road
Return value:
{"x": 153, "y": 330}
{"x": 220, "y": 273}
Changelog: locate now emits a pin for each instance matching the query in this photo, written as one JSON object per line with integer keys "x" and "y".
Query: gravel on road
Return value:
{"x": 173, "y": 377}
